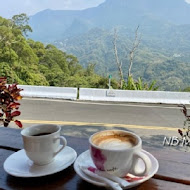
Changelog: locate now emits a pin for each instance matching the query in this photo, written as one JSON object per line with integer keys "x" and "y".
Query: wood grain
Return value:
{"x": 174, "y": 167}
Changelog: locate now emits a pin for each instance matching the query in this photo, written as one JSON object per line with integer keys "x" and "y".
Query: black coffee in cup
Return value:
{"x": 41, "y": 134}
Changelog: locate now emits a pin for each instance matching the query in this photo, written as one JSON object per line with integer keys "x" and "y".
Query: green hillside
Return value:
{"x": 170, "y": 70}
{"x": 163, "y": 54}
{"x": 30, "y": 62}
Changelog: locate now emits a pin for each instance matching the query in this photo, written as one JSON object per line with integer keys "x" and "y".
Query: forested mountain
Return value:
{"x": 25, "y": 61}
{"x": 164, "y": 27}
{"x": 150, "y": 14}
{"x": 170, "y": 71}
{"x": 85, "y": 37}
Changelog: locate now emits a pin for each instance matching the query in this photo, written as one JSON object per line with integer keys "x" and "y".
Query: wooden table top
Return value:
{"x": 173, "y": 173}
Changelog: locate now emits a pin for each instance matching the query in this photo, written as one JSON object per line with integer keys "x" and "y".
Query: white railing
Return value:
{"x": 49, "y": 92}
{"x": 93, "y": 94}
{"x": 134, "y": 96}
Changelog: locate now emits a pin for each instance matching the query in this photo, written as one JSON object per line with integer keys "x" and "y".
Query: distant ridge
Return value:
{"x": 163, "y": 54}
{"x": 50, "y": 25}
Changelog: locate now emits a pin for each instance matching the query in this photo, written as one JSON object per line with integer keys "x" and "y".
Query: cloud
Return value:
{"x": 187, "y": 1}
{"x": 9, "y": 8}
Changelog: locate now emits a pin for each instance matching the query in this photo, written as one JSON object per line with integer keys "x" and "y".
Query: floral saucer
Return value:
{"x": 86, "y": 160}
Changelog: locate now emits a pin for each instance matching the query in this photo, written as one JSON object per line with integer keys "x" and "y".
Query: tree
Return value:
{"x": 73, "y": 64}
{"x": 133, "y": 49}
{"x": 90, "y": 69}
{"x": 130, "y": 84}
{"x": 21, "y": 22}
{"x": 25, "y": 61}
{"x": 118, "y": 62}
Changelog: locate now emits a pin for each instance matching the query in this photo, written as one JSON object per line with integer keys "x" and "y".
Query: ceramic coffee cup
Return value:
{"x": 117, "y": 152}
{"x": 42, "y": 142}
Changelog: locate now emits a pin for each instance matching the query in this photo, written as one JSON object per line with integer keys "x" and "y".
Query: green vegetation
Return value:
{"x": 163, "y": 54}
{"x": 187, "y": 89}
{"x": 170, "y": 71}
{"x": 79, "y": 58}
{"x": 139, "y": 85}
{"x": 25, "y": 61}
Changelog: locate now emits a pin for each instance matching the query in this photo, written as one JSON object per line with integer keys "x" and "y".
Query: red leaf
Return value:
{"x": 7, "y": 114}
{"x": 18, "y": 123}
{"x": 180, "y": 132}
{"x": 15, "y": 113}
{"x": 3, "y": 78}
{"x": 18, "y": 97}
{"x": 14, "y": 105}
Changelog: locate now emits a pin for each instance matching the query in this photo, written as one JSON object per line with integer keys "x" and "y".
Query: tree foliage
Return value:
{"x": 139, "y": 85}
{"x": 187, "y": 89}
{"x": 150, "y": 62}
{"x": 25, "y": 61}
{"x": 21, "y": 22}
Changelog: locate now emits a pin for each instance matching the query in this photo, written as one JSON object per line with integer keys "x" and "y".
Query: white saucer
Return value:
{"x": 19, "y": 165}
{"x": 86, "y": 160}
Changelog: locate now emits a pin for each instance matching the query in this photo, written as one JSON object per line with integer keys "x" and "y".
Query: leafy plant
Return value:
{"x": 186, "y": 89}
{"x": 139, "y": 85}
{"x": 185, "y": 134}
{"x": 9, "y": 95}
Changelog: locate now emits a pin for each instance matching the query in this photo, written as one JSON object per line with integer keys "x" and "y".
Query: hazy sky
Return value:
{"x": 8, "y": 8}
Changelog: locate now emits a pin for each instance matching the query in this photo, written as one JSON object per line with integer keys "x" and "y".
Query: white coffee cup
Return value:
{"x": 42, "y": 142}
{"x": 117, "y": 152}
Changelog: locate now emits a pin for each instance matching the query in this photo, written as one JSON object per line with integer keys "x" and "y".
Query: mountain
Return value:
{"x": 50, "y": 25}
{"x": 170, "y": 70}
{"x": 163, "y": 53}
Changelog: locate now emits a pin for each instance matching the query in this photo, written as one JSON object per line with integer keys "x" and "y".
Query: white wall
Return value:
{"x": 134, "y": 96}
{"x": 49, "y": 92}
{"x": 93, "y": 94}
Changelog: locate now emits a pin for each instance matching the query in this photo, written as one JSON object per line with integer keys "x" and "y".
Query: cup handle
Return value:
{"x": 64, "y": 141}
{"x": 147, "y": 163}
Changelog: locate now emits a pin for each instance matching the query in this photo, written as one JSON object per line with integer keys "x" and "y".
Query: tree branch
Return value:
{"x": 134, "y": 47}
{"x": 119, "y": 64}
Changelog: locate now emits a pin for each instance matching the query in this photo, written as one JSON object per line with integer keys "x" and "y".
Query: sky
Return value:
{"x": 8, "y": 8}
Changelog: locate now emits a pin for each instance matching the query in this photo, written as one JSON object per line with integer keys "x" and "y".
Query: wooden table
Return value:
{"x": 173, "y": 173}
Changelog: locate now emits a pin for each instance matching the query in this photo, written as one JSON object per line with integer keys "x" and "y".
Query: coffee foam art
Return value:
{"x": 114, "y": 142}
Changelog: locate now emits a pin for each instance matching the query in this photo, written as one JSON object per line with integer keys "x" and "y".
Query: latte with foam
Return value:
{"x": 117, "y": 152}
{"x": 114, "y": 141}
